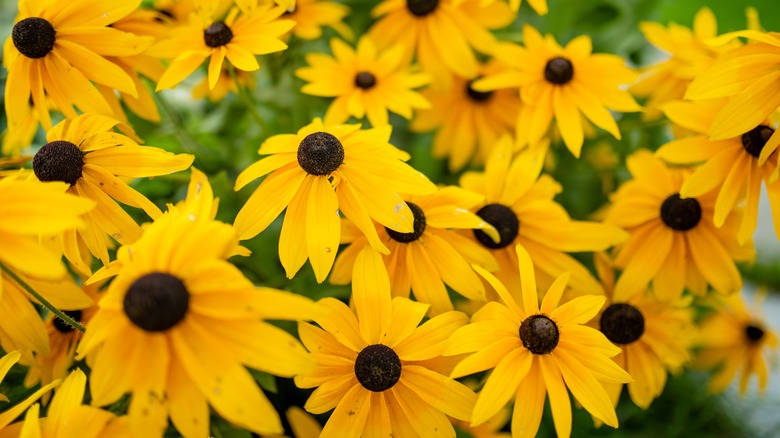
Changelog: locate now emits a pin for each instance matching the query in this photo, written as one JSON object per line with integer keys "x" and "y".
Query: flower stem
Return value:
{"x": 67, "y": 319}
{"x": 243, "y": 93}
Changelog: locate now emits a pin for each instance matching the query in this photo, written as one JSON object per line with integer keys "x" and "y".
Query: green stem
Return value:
{"x": 243, "y": 93}
{"x": 68, "y": 320}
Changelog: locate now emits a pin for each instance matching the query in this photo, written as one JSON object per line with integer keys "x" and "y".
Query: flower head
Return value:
{"x": 310, "y": 16}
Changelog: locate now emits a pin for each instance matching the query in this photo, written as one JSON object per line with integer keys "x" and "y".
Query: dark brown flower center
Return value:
{"x": 156, "y": 302}
{"x": 64, "y": 327}
{"x": 419, "y": 226}
{"x": 539, "y": 334}
{"x": 754, "y": 140}
{"x": 217, "y": 34}
{"x": 680, "y": 214}
{"x": 622, "y": 323}
{"x": 558, "y": 71}
{"x": 504, "y": 220}
{"x": 365, "y": 80}
{"x": 421, "y": 8}
{"x": 477, "y": 96}
{"x": 378, "y": 368}
{"x": 320, "y": 153}
{"x": 754, "y": 333}
{"x": 33, "y": 37}
{"x": 58, "y": 161}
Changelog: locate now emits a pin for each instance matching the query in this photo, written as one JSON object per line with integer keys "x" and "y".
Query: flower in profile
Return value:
{"x": 375, "y": 366}
{"x": 433, "y": 255}
{"x": 736, "y": 340}
{"x": 177, "y": 326}
{"x": 91, "y": 158}
{"x": 6, "y": 417}
{"x": 673, "y": 240}
{"x": 732, "y": 167}
{"x": 441, "y": 33}
{"x": 239, "y": 37}
{"x": 564, "y": 82}
{"x": 318, "y": 174}
{"x": 365, "y": 82}
{"x": 57, "y": 50}
{"x": 467, "y": 122}
{"x": 310, "y": 16}
{"x": 536, "y": 352}
{"x": 519, "y": 204}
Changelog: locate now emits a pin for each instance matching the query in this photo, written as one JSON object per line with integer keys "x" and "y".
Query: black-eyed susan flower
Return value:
{"x": 366, "y": 82}
{"x": 443, "y": 34}
{"x": 6, "y": 417}
{"x": 562, "y": 82}
{"x": 88, "y": 155}
{"x": 177, "y": 326}
{"x": 319, "y": 174}
{"x": 467, "y": 122}
{"x": 673, "y": 241}
{"x": 310, "y": 16}
{"x": 519, "y": 204}
{"x": 374, "y": 365}
{"x": 58, "y": 49}
{"x": 736, "y": 342}
{"x": 536, "y": 352}
{"x": 239, "y": 37}
{"x": 432, "y": 255}
{"x": 731, "y": 167}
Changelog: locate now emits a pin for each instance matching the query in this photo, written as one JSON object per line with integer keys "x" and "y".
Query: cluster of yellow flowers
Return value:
{"x": 158, "y": 311}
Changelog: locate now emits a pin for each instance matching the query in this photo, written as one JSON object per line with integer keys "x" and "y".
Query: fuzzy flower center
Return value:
{"x": 64, "y": 327}
{"x": 320, "y": 153}
{"x": 539, "y": 334}
{"x": 558, "y": 71}
{"x": 33, "y": 37}
{"x": 378, "y": 368}
{"x": 217, "y": 34}
{"x": 365, "y": 80}
{"x": 504, "y": 220}
{"x": 156, "y": 302}
{"x": 477, "y": 96}
{"x": 58, "y": 161}
{"x": 622, "y": 323}
{"x": 680, "y": 214}
{"x": 754, "y": 140}
{"x": 754, "y": 333}
{"x": 419, "y": 226}
{"x": 421, "y": 8}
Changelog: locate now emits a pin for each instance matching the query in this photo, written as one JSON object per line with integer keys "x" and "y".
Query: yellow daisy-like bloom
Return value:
{"x": 737, "y": 340}
{"x": 432, "y": 255}
{"x": 239, "y": 38}
{"x": 519, "y": 204}
{"x": 536, "y": 351}
{"x": 732, "y": 167}
{"x": 674, "y": 242}
{"x": 563, "y": 82}
{"x": 87, "y": 154}
{"x": 365, "y": 82}
{"x": 375, "y": 366}
{"x": 58, "y": 49}
{"x": 690, "y": 55}
{"x": 442, "y": 33}
{"x": 320, "y": 173}
{"x": 6, "y": 362}
{"x": 467, "y": 122}
{"x": 177, "y": 325}
{"x": 655, "y": 336}
{"x": 225, "y": 84}
{"x": 310, "y": 16}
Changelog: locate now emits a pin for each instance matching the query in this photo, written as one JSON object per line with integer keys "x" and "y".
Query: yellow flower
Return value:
{"x": 432, "y": 255}
{"x": 467, "y": 122}
{"x": 365, "y": 82}
{"x": 519, "y": 204}
{"x": 732, "y": 167}
{"x": 562, "y": 82}
{"x": 6, "y": 362}
{"x": 58, "y": 49}
{"x": 374, "y": 366}
{"x": 674, "y": 242}
{"x": 737, "y": 340}
{"x": 320, "y": 173}
{"x": 239, "y": 38}
{"x": 310, "y": 16}
{"x": 225, "y": 84}
{"x": 537, "y": 351}
{"x": 89, "y": 156}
